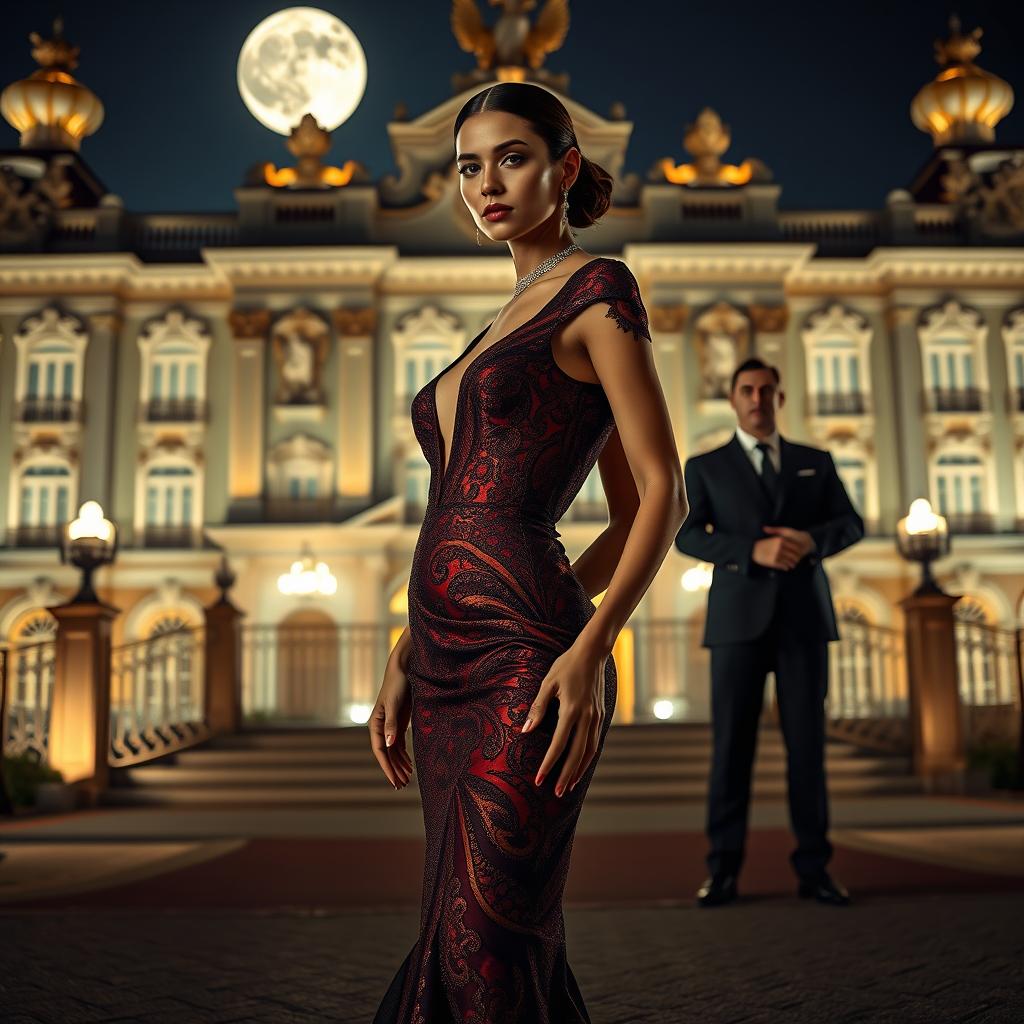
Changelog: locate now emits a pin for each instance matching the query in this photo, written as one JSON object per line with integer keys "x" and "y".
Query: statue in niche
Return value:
{"x": 723, "y": 342}
{"x": 300, "y": 349}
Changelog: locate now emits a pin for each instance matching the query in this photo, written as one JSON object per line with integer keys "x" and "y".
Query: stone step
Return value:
{"x": 379, "y": 795}
{"x": 613, "y": 753}
{"x": 343, "y": 775}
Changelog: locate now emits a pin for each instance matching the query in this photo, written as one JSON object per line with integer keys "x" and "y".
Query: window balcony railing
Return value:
{"x": 839, "y": 403}
{"x": 970, "y": 522}
{"x": 955, "y": 399}
{"x": 34, "y": 537}
{"x": 175, "y": 410}
{"x": 298, "y": 510}
{"x": 171, "y": 537}
{"x": 49, "y": 410}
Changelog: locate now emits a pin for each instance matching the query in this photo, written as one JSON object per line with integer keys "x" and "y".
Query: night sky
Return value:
{"x": 819, "y": 91}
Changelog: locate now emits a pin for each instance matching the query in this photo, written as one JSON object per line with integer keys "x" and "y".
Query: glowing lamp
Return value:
{"x": 923, "y": 536}
{"x": 88, "y": 542}
{"x": 308, "y": 577}
{"x": 697, "y": 577}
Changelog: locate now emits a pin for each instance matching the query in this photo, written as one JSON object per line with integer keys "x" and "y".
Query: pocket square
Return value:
{"x": 806, "y": 472}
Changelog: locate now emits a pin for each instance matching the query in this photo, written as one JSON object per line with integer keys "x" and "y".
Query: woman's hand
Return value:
{"x": 389, "y": 722}
{"x": 576, "y": 678}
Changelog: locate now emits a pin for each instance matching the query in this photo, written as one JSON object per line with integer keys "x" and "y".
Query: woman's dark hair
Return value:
{"x": 590, "y": 195}
{"x": 753, "y": 363}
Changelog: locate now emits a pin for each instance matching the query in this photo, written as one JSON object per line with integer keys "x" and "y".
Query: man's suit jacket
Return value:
{"x": 728, "y": 506}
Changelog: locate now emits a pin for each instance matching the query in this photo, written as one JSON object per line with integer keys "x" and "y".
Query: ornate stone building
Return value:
{"x": 240, "y": 383}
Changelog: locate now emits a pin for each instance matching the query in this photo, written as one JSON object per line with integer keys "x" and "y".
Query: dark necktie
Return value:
{"x": 769, "y": 478}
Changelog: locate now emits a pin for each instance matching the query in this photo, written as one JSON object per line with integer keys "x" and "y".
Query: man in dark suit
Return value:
{"x": 769, "y": 608}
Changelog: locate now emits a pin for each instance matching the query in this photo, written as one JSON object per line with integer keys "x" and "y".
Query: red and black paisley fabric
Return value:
{"x": 493, "y": 601}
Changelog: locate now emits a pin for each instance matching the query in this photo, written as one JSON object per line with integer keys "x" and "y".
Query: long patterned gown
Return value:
{"x": 492, "y": 602}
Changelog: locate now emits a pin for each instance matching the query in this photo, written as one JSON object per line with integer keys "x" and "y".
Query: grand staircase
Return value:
{"x": 335, "y": 767}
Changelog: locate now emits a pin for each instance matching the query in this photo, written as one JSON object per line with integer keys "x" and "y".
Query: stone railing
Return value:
{"x": 26, "y": 689}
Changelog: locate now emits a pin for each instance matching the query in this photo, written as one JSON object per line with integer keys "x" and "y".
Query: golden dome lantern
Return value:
{"x": 50, "y": 108}
{"x": 965, "y": 102}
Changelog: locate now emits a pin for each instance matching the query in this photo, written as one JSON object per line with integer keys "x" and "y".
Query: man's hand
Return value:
{"x": 784, "y": 549}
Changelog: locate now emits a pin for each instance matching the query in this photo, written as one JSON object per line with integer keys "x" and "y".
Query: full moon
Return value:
{"x": 297, "y": 61}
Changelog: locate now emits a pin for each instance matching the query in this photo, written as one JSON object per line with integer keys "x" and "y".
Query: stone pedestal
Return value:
{"x": 936, "y": 722}
{"x": 79, "y": 738}
{"x": 223, "y": 675}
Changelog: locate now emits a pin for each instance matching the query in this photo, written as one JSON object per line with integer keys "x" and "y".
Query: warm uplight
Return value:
{"x": 284, "y": 176}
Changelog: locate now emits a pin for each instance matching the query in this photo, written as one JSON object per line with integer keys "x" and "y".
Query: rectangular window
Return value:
{"x": 837, "y": 377}
{"x": 293, "y": 487}
{"x": 310, "y": 487}
{"x": 151, "y": 506}
{"x": 186, "y": 505}
{"x": 958, "y": 493}
{"x": 975, "y": 482}
{"x": 172, "y": 389}
{"x": 191, "y": 380}
{"x": 62, "y": 505}
{"x": 854, "y": 366}
{"x": 44, "y": 506}
{"x": 410, "y": 377}
{"x": 25, "y": 519}
{"x": 943, "y": 496}
{"x": 69, "y": 380}
{"x": 933, "y": 362}
{"x": 858, "y": 494}
{"x": 168, "y": 506}
{"x": 968, "y": 372}
{"x": 51, "y": 380}
{"x": 951, "y": 370}
{"x": 33, "y": 381}
{"x": 157, "y": 387}
{"x": 819, "y": 374}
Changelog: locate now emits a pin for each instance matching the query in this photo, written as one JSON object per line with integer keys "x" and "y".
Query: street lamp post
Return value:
{"x": 936, "y": 722}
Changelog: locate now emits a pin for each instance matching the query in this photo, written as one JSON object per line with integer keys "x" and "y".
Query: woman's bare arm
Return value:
{"x": 626, "y": 370}
{"x": 596, "y": 564}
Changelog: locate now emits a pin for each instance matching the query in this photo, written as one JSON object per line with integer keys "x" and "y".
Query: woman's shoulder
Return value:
{"x": 612, "y": 275}
{"x": 608, "y": 279}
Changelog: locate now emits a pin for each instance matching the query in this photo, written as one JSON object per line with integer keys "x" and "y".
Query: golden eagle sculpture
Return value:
{"x": 513, "y": 41}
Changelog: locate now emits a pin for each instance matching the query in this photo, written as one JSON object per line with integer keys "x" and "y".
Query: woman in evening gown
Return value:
{"x": 505, "y": 670}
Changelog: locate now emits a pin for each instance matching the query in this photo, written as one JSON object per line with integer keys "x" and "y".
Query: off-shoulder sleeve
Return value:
{"x": 613, "y": 282}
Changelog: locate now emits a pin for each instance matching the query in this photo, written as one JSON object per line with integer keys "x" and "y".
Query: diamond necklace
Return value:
{"x": 543, "y": 268}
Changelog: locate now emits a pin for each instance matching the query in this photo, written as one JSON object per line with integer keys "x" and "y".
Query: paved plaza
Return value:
{"x": 902, "y": 959}
{"x": 278, "y": 914}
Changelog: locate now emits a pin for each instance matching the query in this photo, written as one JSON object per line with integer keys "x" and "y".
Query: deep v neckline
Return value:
{"x": 459, "y": 401}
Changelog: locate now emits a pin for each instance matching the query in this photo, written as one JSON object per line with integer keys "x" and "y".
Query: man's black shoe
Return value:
{"x": 824, "y": 890}
{"x": 717, "y": 890}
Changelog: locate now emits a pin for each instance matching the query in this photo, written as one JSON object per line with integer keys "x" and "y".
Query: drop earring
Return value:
{"x": 565, "y": 210}
{"x": 478, "y": 242}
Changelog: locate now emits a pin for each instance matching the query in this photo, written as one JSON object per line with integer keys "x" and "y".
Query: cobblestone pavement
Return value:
{"x": 905, "y": 959}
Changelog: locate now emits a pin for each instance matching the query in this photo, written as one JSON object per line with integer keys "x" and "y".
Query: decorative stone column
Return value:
{"x": 248, "y": 402}
{"x": 355, "y": 401}
{"x": 101, "y": 374}
{"x": 936, "y": 722}
{"x": 222, "y": 690}
{"x": 667, "y": 323}
{"x": 79, "y": 738}
{"x": 907, "y": 398}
